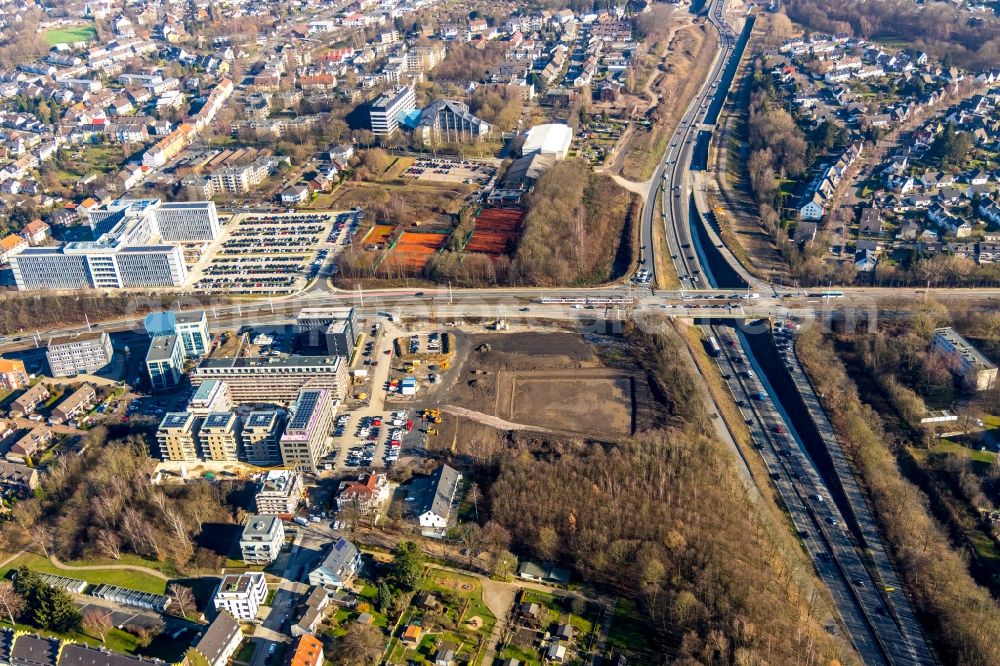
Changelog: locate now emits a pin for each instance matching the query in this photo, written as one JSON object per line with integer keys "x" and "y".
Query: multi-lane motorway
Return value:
{"x": 881, "y": 626}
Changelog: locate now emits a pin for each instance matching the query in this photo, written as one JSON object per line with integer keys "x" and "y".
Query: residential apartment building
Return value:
{"x": 12, "y": 374}
{"x": 337, "y": 567}
{"x": 274, "y": 380}
{"x": 262, "y": 539}
{"x": 177, "y": 437}
{"x": 85, "y": 353}
{"x": 365, "y": 496}
{"x": 220, "y": 641}
{"x": 977, "y": 371}
{"x": 280, "y": 492}
{"x": 386, "y": 112}
{"x": 17, "y": 479}
{"x": 305, "y": 438}
{"x": 219, "y": 436}
{"x": 241, "y": 595}
{"x": 307, "y": 651}
{"x": 26, "y": 403}
{"x": 210, "y": 396}
{"x": 262, "y": 436}
{"x": 74, "y": 405}
{"x": 164, "y": 362}
{"x": 447, "y": 121}
{"x": 437, "y": 511}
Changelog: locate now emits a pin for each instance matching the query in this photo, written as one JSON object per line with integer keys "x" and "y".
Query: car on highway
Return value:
{"x": 778, "y": 429}
{"x": 832, "y": 521}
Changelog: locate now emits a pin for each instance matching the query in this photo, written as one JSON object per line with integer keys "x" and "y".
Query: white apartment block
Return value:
{"x": 262, "y": 539}
{"x": 241, "y": 595}
{"x": 978, "y": 372}
{"x": 81, "y": 354}
{"x": 280, "y": 492}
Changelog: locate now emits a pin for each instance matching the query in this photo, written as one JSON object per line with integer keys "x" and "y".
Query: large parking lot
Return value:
{"x": 451, "y": 171}
{"x": 274, "y": 253}
{"x": 374, "y": 441}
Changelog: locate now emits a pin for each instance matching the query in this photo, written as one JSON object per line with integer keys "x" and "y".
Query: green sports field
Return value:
{"x": 78, "y": 33}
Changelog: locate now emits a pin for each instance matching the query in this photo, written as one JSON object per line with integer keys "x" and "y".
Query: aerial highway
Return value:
{"x": 880, "y": 625}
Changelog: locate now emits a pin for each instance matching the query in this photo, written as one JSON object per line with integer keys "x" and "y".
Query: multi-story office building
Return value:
{"x": 129, "y": 250}
{"x": 177, "y": 437}
{"x": 219, "y": 436}
{"x": 280, "y": 492}
{"x": 446, "y": 121}
{"x": 241, "y": 595}
{"x": 262, "y": 539}
{"x": 95, "y": 266}
{"x": 977, "y": 371}
{"x": 386, "y": 111}
{"x": 274, "y": 380}
{"x": 305, "y": 438}
{"x": 12, "y": 374}
{"x": 187, "y": 221}
{"x": 77, "y": 355}
{"x": 211, "y": 396}
{"x": 261, "y": 437}
{"x": 333, "y": 326}
{"x": 190, "y": 327}
{"x": 164, "y": 362}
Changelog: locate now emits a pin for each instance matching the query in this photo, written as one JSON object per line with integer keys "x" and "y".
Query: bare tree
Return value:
{"x": 109, "y": 544}
{"x": 181, "y": 598}
{"x": 474, "y": 496}
{"x": 97, "y": 622}
{"x": 11, "y": 603}
{"x": 41, "y": 537}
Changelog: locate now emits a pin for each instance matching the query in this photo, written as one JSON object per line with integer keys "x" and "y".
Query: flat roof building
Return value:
{"x": 280, "y": 492}
{"x": 210, "y": 396}
{"x": 219, "y": 436}
{"x": 978, "y": 372}
{"x": 274, "y": 379}
{"x": 386, "y": 112}
{"x": 187, "y": 221}
{"x": 190, "y": 327}
{"x": 262, "y": 539}
{"x": 305, "y": 438}
{"x": 81, "y": 354}
{"x": 241, "y": 595}
{"x": 12, "y": 374}
{"x": 164, "y": 362}
{"x": 177, "y": 437}
{"x": 262, "y": 437}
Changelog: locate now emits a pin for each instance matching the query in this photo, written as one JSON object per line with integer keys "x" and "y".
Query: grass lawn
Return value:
{"x": 131, "y": 579}
{"x": 524, "y": 655}
{"x": 466, "y": 588}
{"x": 948, "y": 446}
{"x": 79, "y": 33}
{"x": 626, "y": 629}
